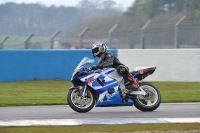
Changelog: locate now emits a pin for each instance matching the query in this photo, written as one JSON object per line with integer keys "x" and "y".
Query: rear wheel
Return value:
{"x": 79, "y": 103}
{"x": 150, "y": 101}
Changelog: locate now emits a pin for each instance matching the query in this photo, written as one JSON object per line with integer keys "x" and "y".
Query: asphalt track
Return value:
{"x": 166, "y": 110}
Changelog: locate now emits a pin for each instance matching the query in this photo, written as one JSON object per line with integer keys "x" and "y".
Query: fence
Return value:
{"x": 180, "y": 33}
{"x": 28, "y": 42}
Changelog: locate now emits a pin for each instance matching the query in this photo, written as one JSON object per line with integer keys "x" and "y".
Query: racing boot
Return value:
{"x": 135, "y": 85}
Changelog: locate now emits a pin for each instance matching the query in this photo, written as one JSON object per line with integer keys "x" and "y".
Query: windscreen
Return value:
{"x": 84, "y": 62}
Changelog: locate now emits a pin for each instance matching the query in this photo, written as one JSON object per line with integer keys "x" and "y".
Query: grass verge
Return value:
{"x": 102, "y": 128}
{"x": 53, "y": 92}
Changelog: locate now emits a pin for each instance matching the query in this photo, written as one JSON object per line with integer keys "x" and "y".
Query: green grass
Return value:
{"x": 53, "y": 92}
{"x": 34, "y": 92}
{"x": 102, "y": 128}
{"x": 179, "y": 91}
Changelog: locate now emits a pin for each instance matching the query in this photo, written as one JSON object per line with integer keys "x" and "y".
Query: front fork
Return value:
{"x": 82, "y": 90}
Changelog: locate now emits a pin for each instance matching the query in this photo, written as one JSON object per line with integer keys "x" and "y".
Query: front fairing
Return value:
{"x": 79, "y": 71}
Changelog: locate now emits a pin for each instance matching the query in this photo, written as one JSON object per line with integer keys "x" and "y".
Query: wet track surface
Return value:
{"x": 183, "y": 110}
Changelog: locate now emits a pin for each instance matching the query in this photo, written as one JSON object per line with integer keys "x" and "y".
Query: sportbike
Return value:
{"x": 105, "y": 87}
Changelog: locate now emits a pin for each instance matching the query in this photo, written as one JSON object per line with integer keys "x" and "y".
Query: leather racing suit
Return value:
{"x": 110, "y": 60}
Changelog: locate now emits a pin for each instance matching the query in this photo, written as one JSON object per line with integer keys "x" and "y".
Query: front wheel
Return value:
{"x": 79, "y": 103}
{"x": 150, "y": 101}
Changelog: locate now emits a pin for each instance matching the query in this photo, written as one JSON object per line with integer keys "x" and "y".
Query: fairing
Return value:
{"x": 140, "y": 71}
{"x": 79, "y": 71}
{"x": 101, "y": 81}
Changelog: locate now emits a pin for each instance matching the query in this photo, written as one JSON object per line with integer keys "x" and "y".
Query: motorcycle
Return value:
{"x": 105, "y": 87}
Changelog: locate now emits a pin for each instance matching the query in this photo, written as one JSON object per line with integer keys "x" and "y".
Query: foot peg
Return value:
{"x": 132, "y": 88}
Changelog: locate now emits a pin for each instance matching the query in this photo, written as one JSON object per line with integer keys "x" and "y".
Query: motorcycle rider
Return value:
{"x": 110, "y": 60}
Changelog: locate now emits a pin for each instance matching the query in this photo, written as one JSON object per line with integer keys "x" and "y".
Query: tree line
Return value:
{"x": 155, "y": 7}
{"x": 23, "y": 19}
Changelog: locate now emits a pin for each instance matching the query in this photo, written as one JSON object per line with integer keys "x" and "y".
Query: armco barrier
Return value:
{"x": 19, "y": 65}
{"x": 172, "y": 64}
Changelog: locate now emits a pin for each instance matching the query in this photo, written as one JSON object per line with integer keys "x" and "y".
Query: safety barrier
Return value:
{"x": 172, "y": 65}
{"x": 19, "y": 65}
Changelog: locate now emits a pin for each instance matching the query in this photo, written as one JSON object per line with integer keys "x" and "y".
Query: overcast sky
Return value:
{"x": 124, "y": 4}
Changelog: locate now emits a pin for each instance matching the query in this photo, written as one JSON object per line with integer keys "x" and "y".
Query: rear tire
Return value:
{"x": 147, "y": 105}
{"x": 77, "y": 103}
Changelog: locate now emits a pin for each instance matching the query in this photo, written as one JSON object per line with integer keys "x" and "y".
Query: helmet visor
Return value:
{"x": 95, "y": 51}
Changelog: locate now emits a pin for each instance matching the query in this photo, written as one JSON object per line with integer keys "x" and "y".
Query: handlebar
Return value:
{"x": 87, "y": 69}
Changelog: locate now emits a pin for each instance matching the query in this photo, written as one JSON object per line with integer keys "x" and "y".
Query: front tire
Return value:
{"x": 147, "y": 103}
{"x": 78, "y": 103}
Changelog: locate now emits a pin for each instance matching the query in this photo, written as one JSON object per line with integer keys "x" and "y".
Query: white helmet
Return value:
{"x": 98, "y": 48}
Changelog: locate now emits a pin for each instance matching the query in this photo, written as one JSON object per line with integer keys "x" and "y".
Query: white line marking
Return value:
{"x": 181, "y": 120}
{"x": 39, "y": 122}
{"x": 51, "y": 122}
